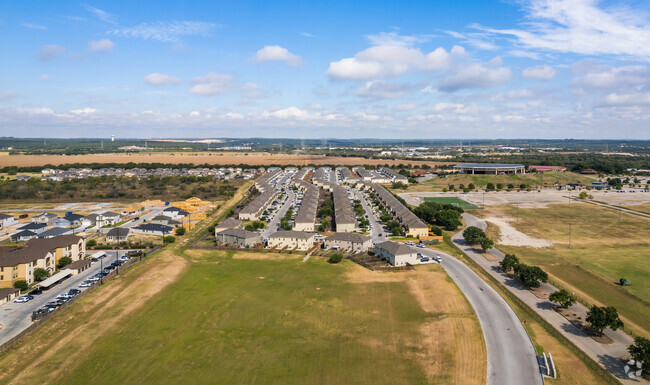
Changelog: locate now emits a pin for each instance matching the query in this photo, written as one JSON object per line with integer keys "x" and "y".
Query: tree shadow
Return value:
{"x": 573, "y": 329}
{"x": 546, "y": 305}
{"x": 614, "y": 365}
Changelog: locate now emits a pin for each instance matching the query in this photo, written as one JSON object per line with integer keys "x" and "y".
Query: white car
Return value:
{"x": 86, "y": 284}
{"x": 22, "y": 299}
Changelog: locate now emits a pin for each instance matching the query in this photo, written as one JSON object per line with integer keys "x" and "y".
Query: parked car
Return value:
{"x": 424, "y": 259}
{"x": 87, "y": 283}
{"x": 22, "y": 299}
{"x": 49, "y": 307}
{"x": 73, "y": 292}
{"x": 36, "y": 292}
{"x": 63, "y": 297}
{"x": 421, "y": 245}
{"x": 410, "y": 243}
{"x": 437, "y": 258}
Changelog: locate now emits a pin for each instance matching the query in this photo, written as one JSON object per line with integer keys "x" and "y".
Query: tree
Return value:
{"x": 511, "y": 186}
{"x": 583, "y": 195}
{"x": 21, "y": 284}
{"x": 486, "y": 243}
{"x": 91, "y": 243}
{"x": 335, "y": 258}
{"x": 530, "y": 276}
{"x": 472, "y": 234}
{"x": 490, "y": 186}
{"x": 169, "y": 239}
{"x": 563, "y": 298}
{"x": 471, "y": 186}
{"x": 602, "y": 317}
{"x": 64, "y": 261}
{"x": 640, "y": 351}
{"x": 180, "y": 231}
{"x": 510, "y": 261}
{"x": 40, "y": 274}
{"x": 436, "y": 230}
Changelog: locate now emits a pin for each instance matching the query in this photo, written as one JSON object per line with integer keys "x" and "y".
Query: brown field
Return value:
{"x": 254, "y": 159}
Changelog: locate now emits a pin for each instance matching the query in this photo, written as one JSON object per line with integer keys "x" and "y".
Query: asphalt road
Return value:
{"x": 511, "y": 355}
{"x": 16, "y": 317}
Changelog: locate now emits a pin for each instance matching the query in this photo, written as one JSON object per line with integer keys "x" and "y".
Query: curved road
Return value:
{"x": 511, "y": 355}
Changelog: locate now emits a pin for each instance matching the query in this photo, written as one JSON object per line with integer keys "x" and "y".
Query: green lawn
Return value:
{"x": 546, "y": 179}
{"x": 452, "y": 201}
{"x": 603, "y": 250}
{"x": 230, "y": 321}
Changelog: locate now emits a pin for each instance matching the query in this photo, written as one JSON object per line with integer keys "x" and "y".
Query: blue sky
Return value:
{"x": 305, "y": 69}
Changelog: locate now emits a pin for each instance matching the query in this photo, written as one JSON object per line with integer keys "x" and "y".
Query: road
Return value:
{"x": 16, "y": 317}
{"x": 289, "y": 201}
{"x": 608, "y": 356}
{"x": 511, "y": 355}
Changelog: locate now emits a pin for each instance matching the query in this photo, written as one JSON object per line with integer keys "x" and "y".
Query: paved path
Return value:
{"x": 511, "y": 355}
{"x": 608, "y": 355}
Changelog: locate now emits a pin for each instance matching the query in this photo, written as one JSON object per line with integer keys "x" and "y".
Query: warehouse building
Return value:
{"x": 490, "y": 168}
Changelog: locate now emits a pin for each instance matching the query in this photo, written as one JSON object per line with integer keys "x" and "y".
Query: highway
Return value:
{"x": 16, "y": 317}
{"x": 511, "y": 355}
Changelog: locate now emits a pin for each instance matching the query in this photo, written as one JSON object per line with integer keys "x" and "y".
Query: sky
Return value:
{"x": 326, "y": 69}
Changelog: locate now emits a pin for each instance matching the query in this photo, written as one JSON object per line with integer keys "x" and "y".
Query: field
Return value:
{"x": 603, "y": 250}
{"x": 253, "y": 159}
{"x": 547, "y": 179}
{"x": 452, "y": 201}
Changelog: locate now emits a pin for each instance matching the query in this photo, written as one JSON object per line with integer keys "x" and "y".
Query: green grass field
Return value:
{"x": 546, "y": 179}
{"x": 452, "y": 201}
{"x": 602, "y": 251}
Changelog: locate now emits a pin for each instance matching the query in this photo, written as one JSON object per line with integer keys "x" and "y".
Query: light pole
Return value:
{"x": 517, "y": 214}
{"x": 569, "y": 235}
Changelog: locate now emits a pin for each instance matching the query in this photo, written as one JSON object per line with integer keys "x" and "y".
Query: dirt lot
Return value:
{"x": 254, "y": 159}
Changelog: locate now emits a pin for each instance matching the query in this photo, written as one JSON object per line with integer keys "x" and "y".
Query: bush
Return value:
{"x": 21, "y": 284}
{"x": 64, "y": 261}
{"x": 436, "y": 230}
{"x": 40, "y": 274}
{"x": 490, "y": 187}
{"x": 169, "y": 239}
{"x": 180, "y": 231}
{"x": 335, "y": 258}
{"x": 91, "y": 243}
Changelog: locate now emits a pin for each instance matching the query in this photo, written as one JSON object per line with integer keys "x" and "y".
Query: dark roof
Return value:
{"x": 395, "y": 248}
{"x": 110, "y": 214}
{"x": 118, "y": 232}
{"x": 155, "y": 227}
{"x": 5, "y": 216}
{"x": 32, "y": 226}
{"x": 54, "y": 242}
{"x": 229, "y": 223}
{"x": 53, "y": 232}
{"x": 4, "y": 293}
{"x": 34, "y": 249}
{"x": 76, "y": 265}
{"x": 239, "y": 233}
{"x": 24, "y": 233}
{"x": 73, "y": 217}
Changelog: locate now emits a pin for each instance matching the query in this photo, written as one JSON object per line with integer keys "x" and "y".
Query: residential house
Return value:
{"x": 117, "y": 234}
{"x": 109, "y": 218}
{"x": 62, "y": 222}
{"x": 238, "y": 237}
{"x": 291, "y": 239}
{"x": 55, "y": 232}
{"x": 7, "y": 220}
{"x": 154, "y": 229}
{"x": 174, "y": 212}
{"x": 397, "y": 254}
{"x": 34, "y": 227}
{"x": 77, "y": 220}
{"x": 24, "y": 235}
{"x": 229, "y": 223}
{"x": 46, "y": 218}
{"x": 356, "y": 243}
{"x": 165, "y": 220}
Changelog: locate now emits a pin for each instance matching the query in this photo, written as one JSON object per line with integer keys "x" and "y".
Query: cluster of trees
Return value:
{"x": 255, "y": 225}
{"x": 444, "y": 215}
{"x": 530, "y": 276}
{"x": 284, "y": 222}
{"x": 640, "y": 351}
{"x": 475, "y": 236}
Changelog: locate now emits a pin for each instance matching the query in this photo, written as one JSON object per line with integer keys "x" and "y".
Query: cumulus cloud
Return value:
{"x": 84, "y": 111}
{"x": 476, "y": 75}
{"x": 405, "y": 107}
{"x": 581, "y": 26}
{"x": 277, "y": 53}
{"x": 165, "y": 31}
{"x": 610, "y": 77}
{"x": 630, "y": 99}
{"x": 50, "y": 51}
{"x": 379, "y": 89}
{"x": 542, "y": 72}
{"x": 104, "y": 45}
{"x": 212, "y": 84}
{"x": 157, "y": 79}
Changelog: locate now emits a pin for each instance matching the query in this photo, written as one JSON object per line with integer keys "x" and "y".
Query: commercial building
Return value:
{"x": 397, "y": 254}
{"x": 490, "y": 168}
{"x": 393, "y": 176}
{"x": 291, "y": 239}
{"x": 238, "y": 237}
{"x": 356, "y": 243}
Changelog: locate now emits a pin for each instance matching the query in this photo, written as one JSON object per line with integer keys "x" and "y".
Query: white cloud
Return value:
{"x": 542, "y": 72}
{"x": 390, "y": 61}
{"x": 610, "y": 77}
{"x": 632, "y": 99}
{"x": 405, "y": 107}
{"x": 580, "y": 26}
{"x": 44, "y": 77}
{"x": 212, "y": 84}
{"x": 307, "y": 34}
{"x": 476, "y": 75}
{"x": 165, "y": 31}
{"x": 277, "y": 53}
{"x": 393, "y": 38}
{"x": 252, "y": 91}
{"x": 156, "y": 79}
{"x": 104, "y": 45}
{"x": 50, "y": 51}
{"x": 101, "y": 14}
{"x": 379, "y": 89}
{"x": 233, "y": 115}
{"x": 34, "y": 26}
{"x": 476, "y": 39}
{"x": 7, "y": 95}
{"x": 84, "y": 111}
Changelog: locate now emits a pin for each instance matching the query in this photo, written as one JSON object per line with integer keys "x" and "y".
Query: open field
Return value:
{"x": 452, "y": 201}
{"x": 275, "y": 320}
{"x": 197, "y": 158}
{"x": 602, "y": 251}
{"x": 547, "y": 179}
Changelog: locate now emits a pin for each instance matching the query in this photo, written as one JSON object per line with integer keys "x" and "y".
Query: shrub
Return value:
{"x": 64, "y": 261}
{"x": 180, "y": 231}
{"x": 21, "y": 284}
{"x": 169, "y": 239}
{"x": 40, "y": 274}
{"x": 91, "y": 243}
{"x": 436, "y": 230}
{"x": 335, "y": 258}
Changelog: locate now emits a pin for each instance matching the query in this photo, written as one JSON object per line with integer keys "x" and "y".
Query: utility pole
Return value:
{"x": 517, "y": 214}
{"x": 569, "y": 235}
{"x": 619, "y": 212}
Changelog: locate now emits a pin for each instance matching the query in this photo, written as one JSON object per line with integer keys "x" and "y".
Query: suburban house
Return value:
{"x": 165, "y": 220}
{"x": 46, "y": 218}
{"x": 7, "y": 220}
{"x": 24, "y": 235}
{"x": 109, "y": 218}
{"x": 348, "y": 242}
{"x": 291, "y": 239}
{"x": 174, "y": 212}
{"x": 55, "y": 232}
{"x": 229, "y": 223}
{"x": 117, "y": 234}
{"x": 91, "y": 219}
{"x": 238, "y": 237}
{"x": 34, "y": 227}
{"x": 154, "y": 229}
{"x": 62, "y": 222}
{"x": 397, "y": 254}
{"x": 76, "y": 220}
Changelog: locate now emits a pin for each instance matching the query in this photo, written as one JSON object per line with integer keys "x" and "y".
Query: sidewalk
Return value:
{"x": 607, "y": 355}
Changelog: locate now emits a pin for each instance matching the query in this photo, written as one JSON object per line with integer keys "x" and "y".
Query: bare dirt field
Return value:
{"x": 254, "y": 159}
{"x": 510, "y": 236}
